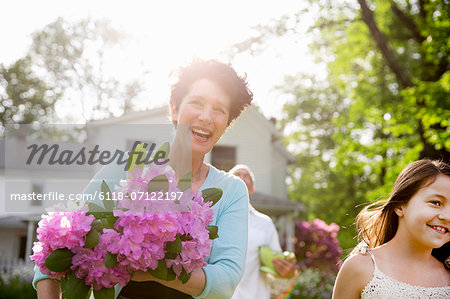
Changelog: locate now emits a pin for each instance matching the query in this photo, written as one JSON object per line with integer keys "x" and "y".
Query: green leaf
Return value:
{"x": 59, "y": 260}
{"x": 158, "y": 183}
{"x": 186, "y": 237}
{"x": 170, "y": 275}
{"x": 161, "y": 270}
{"x": 92, "y": 239}
{"x": 133, "y": 162}
{"x": 165, "y": 147}
{"x": 170, "y": 256}
{"x": 75, "y": 288}
{"x": 213, "y": 230}
{"x": 97, "y": 225}
{"x": 174, "y": 246}
{"x": 110, "y": 259}
{"x": 108, "y": 293}
{"x": 212, "y": 194}
{"x": 94, "y": 208}
{"x": 184, "y": 276}
{"x": 111, "y": 221}
{"x": 185, "y": 182}
{"x": 106, "y": 223}
{"x": 97, "y": 211}
{"x": 108, "y": 204}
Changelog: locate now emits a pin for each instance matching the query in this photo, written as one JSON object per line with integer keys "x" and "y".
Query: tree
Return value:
{"x": 24, "y": 98}
{"x": 383, "y": 105}
{"x": 65, "y": 60}
{"x": 71, "y": 56}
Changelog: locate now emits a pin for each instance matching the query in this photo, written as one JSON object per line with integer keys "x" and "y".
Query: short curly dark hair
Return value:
{"x": 220, "y": 73}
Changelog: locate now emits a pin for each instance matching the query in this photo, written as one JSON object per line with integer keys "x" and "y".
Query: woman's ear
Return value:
{"x": 399, "y": 211}
{"x": 173, "y": 112}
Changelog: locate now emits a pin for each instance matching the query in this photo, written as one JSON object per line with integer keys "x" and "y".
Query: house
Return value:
{"x": 252, "y": 140}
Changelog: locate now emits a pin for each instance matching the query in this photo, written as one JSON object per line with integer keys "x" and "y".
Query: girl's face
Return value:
{"x": 206, "y": 108}
{"x": 426, "y": 217}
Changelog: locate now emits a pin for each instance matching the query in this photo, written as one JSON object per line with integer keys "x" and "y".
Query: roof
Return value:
{"x": 273, "y": 205}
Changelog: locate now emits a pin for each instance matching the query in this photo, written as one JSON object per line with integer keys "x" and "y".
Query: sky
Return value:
{"x": 167, "y": 34}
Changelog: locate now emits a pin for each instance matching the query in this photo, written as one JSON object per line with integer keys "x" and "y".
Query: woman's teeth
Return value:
{"x": 439, "y": 228}
{"x": 200, "y": 132}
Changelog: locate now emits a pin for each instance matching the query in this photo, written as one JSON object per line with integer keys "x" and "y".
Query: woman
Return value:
{"x": 208, "y": 96}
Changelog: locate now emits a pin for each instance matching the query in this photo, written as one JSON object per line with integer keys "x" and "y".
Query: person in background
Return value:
{"x": 255, "y": 284}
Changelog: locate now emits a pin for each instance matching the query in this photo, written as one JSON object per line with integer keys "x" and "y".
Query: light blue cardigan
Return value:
{"x": 226, "y": 262}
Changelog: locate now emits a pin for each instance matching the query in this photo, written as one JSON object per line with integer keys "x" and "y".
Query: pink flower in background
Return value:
{"x": 317, "y": 245}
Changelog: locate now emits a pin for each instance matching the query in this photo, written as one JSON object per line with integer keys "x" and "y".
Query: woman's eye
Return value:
{"x": 436, "y": 203}
{"x": 220, "y": 110}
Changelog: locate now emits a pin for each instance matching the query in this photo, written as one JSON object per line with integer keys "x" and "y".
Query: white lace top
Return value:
{"x": 383, "y": 286}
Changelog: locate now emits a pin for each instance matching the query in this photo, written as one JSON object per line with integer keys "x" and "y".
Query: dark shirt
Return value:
{"x": 150, "y": 289}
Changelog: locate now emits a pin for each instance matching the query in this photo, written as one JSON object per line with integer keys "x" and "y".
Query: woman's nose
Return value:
{"x": 206, "y": 114}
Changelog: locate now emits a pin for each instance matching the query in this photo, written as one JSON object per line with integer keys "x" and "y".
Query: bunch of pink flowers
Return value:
{"x": 106, "y": 247}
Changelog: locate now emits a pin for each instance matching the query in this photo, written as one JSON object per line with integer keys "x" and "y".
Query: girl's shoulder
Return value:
{"x": 355, "y": 273}
{"x": 360, "y": 263}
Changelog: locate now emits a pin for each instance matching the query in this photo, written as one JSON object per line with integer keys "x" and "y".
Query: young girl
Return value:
{"x": 400, "y": 234}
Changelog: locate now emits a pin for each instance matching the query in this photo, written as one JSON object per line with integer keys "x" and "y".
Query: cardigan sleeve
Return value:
{"x": 226, "y": 263}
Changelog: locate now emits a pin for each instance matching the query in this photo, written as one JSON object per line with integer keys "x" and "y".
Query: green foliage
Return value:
{"x": 17, "y": 283}
{"x": 212, "y": 194}
{"x": 74, "y": 288}
{"x": 59, "y": 260}
{"x": 384, "y": 103}
{"x": 24, "y": 97}
{"x": 313, "y": 284}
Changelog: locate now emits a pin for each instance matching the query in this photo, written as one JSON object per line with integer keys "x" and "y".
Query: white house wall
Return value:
{"x": 253, "y": 149}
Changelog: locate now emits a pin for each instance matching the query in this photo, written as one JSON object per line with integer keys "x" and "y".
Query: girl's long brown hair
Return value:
{"x": 378, "y": 222}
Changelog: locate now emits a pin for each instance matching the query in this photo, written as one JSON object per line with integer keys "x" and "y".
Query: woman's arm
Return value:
{"x": 226, "y": 263}
{"x": 194, "y": 286}
{"x": 354, "y": 275}
{"x": 48, "y": 289}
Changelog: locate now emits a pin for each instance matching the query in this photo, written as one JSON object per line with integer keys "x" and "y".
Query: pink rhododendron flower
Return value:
{"x": 89, "y": 264}
{"x": 60, "y": 230}
{"x": 139, "y": 236}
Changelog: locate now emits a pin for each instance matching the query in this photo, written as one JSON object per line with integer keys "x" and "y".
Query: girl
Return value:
{"x": 400, "y": 234}
{"x": 208, "y": 96}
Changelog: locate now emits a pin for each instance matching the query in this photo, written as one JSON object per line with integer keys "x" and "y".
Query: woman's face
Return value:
{"x": 206, "y": 108}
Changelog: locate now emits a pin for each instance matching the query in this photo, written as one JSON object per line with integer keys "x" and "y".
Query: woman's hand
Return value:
{"x": 194, "y": 286}
{"x": 48, "y": 289}
{"x": 141, "y": 276}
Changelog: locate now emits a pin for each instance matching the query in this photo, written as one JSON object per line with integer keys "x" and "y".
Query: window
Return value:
{"x": 37, "y": 188}
{"x": 223, "y": 157}
{"x": 130, "y": 143}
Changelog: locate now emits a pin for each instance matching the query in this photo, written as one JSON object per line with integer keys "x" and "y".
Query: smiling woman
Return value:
{"x": 207, "y": 97}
